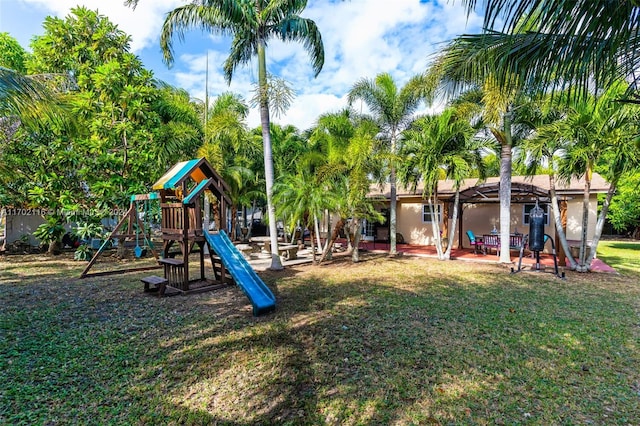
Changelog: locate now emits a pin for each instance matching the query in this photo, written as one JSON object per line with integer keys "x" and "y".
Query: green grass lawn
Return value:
{"x": 623, "y": 255}
{"x": 387, "y": 341}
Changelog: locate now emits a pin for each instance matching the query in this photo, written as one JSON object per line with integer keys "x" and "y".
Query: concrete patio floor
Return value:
{"x": 467, "y": 254}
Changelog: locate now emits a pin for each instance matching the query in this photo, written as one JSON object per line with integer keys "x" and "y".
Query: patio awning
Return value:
{"x": 489, "y": 192}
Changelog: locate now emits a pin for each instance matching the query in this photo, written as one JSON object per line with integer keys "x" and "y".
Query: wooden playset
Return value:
{"x": 181, "y": 193}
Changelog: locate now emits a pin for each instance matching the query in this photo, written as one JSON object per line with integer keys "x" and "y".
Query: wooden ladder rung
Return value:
{"x": 171, "y": 261}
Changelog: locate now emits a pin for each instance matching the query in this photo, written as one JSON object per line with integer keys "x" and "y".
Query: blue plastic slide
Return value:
{"x": 256, "y": 290}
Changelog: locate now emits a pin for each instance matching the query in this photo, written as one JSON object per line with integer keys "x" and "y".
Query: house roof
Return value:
{"x": 523, "y": 188}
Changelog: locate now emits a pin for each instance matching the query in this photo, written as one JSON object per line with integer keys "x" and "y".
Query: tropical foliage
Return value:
{"x": 537, "y": 41}
{"x": 233, "y": 152}
{"x": 439, "y": 147}
{"x": 127, "y": 126}
{"x": 393, "y": 108}
{"x": 251, "y": 25}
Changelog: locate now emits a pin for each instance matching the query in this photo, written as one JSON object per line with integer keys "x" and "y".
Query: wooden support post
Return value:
{"x": 201, "y": 245}
{"x": 562, "y": 257}
{"x": 185, "y": 236}
{"x": 126, "y": 216}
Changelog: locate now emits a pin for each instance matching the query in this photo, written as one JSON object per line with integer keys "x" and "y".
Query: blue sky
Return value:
{"x": 362, "y": 38}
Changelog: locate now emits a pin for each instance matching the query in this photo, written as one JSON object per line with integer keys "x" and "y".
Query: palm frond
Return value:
{"x": 562, "y": 43}
{"x": 217, "y": 17}
{"x": 295, "y": 28}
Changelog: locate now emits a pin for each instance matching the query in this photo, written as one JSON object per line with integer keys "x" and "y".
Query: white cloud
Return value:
{"x": 142, "y": 24}
{"x": 362, "y": 38}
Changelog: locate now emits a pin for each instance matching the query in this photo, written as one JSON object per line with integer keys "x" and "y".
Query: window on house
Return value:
{"x": 426, "y": 213}
{"x": 526, "y": 212}
{"x": 367, "y": 228}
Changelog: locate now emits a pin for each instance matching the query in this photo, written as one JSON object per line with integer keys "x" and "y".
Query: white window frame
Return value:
{"x": 525, "y": 214}
{"x": 367, "y": 228}
{"x": 427, "y": 214}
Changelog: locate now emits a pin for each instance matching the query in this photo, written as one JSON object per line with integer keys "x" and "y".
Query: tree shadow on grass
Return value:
{"x": 415, "y": 345}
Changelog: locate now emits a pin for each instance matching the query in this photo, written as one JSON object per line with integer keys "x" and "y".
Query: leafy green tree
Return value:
{"x": 33, "y": 118}
{"x": 393, "y": 108}
{"x": 251, "y": 24}
{"x": 301, "y": 198}
{"x": 78, "y": 44}
{"x": 585, "y": 132}
{"x": 127, "y": 126}
{"x": 599, "y": 128}
{"x": 133, "y": 127}
{"x": 458, "y": 68}
{"x": 28, "y": 101}
{"x": 288, "y": 148}
{"x": 12, "y": 55}
{"x": 547, "y": 145}
{"x": 624, "y": 213}
{"x": 179, "y": 132}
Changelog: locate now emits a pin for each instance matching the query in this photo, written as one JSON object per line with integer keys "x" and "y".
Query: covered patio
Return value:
{"x": 479, "y": 210}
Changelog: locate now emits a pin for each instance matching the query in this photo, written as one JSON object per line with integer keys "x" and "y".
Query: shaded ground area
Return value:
{"x": 387, "y": 341}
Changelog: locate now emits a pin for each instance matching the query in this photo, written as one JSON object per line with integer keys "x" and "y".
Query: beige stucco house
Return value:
{"x": 479, "y": 208}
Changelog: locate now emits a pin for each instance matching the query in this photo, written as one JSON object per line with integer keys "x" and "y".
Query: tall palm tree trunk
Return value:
{"x": 250, "y": 225}
{"x": 435, "y": 228}
{"x": 505, "y": 191}
{"x": 583, "y": 267}
{"x": 334, "y": 236}
{"x": 393, "y": 220}
{"x": 558, "y": 222}
{"x": 600, "y": 224}
{"x": 316, "y": 226}
{"x": 276, "y": 263}
{"x": 355, "y": 253}
{"x": 454, "y": 221}
{"x": 328, "y": 233}
{"x": 312, "y": 241}
{"x": 234, "y": 222}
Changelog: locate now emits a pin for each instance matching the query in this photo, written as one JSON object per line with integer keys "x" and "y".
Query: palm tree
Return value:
{"x": 393, "y": 108}
{"x": 229, "y": 149}
{"x": 598, "y": 46}
{"x": 30, "y": 100}
{"x": 251, "y": 24}
{"x": 436, "y": 147}
{"x": 595, "y": 128}
{"x": 327, "y": 143}
{"x": 575, "y": 138}
{"x": 350, "y": 155}
{"x": 288, "y": 147}
{"x": 462, "y": 65}
{"x": 547, "y": 146}
{"x": 181, "y": 132}
{"x": 302, "y": 198}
